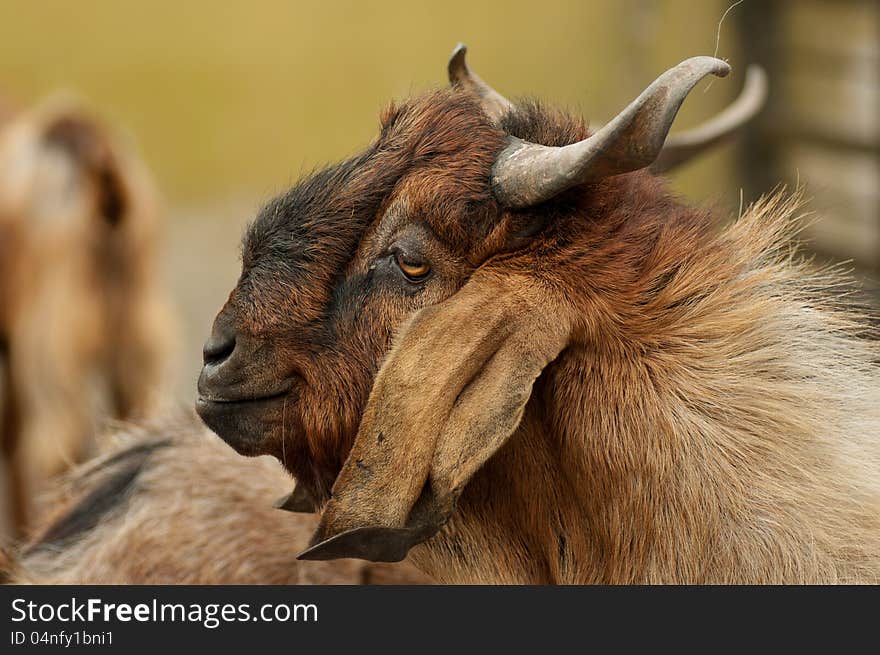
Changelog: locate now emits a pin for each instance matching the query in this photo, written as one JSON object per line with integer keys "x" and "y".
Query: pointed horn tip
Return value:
{"x": 457, "y": 66}
{"x": 705, "y": 65}
{"x": 717, "y": 66}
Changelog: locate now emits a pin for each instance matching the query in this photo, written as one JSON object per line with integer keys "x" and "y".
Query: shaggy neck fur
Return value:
{"x": 716, "y": 421}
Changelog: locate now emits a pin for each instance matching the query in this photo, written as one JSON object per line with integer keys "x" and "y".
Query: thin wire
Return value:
{"x": 718, "y": 36}
{"x": 723, "y": 16}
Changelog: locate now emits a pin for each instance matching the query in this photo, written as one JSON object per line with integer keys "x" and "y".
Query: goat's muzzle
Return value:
{"x": 240, "y": 397}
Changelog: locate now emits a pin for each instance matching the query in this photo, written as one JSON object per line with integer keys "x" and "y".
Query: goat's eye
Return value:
{"x": 414, "y": 271}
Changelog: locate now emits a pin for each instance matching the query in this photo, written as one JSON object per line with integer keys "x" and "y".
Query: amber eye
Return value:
{"x": 414, "y": 271}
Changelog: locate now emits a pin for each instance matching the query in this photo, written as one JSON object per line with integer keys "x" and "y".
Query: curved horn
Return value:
{"x": 684, "y": 146}
{"x": 526, "y": 174}
{"x": 494, "y": 104}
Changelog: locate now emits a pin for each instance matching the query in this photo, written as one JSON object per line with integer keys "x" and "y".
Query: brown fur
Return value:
{"x": 83, "y": 326}
{"x": 728, "y": 434}
{"x": 710, "y": 411}
{"x": 167, "y": 506}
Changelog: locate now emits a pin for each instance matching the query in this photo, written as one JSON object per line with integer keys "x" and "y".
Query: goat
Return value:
{"x": 498, "y": 341}
{"x": 166, "y": 506}
{"x": 83, "y": 325}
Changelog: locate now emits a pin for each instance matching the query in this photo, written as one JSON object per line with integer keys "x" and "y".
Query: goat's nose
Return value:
{"x": 219, "y": 346}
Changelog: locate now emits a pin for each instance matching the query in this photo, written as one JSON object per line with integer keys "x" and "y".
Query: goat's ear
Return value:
{"x": 449, "y": 395}
{"x": 88, "y": 145}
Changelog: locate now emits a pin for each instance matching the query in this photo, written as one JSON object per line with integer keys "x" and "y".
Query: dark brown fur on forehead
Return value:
{"x": 302, "y": 240}
{"x": 442, "y": 145}
{"x": 534, "y": 122}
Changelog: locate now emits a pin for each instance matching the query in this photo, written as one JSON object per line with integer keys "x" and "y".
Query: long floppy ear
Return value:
{"x": 449, "y": 395}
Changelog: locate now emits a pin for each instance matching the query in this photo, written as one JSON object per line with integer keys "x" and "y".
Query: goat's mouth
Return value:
{"x": 238, "y": 400}
{"x": 248, "y": 423}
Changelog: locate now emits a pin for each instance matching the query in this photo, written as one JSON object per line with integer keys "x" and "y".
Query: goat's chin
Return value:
{"x": 250, "y": 427}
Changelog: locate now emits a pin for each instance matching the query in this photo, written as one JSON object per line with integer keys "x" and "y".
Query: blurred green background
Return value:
{"x": 230, "y": 101}
{"x": 236, "y": 98}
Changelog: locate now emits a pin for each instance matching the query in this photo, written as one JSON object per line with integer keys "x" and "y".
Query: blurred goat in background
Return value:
{"x": 83, "y": 326}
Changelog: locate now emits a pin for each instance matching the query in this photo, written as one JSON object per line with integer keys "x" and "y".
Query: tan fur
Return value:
{"x": 196, "y": 514}
{"x": 81, "y": 316}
